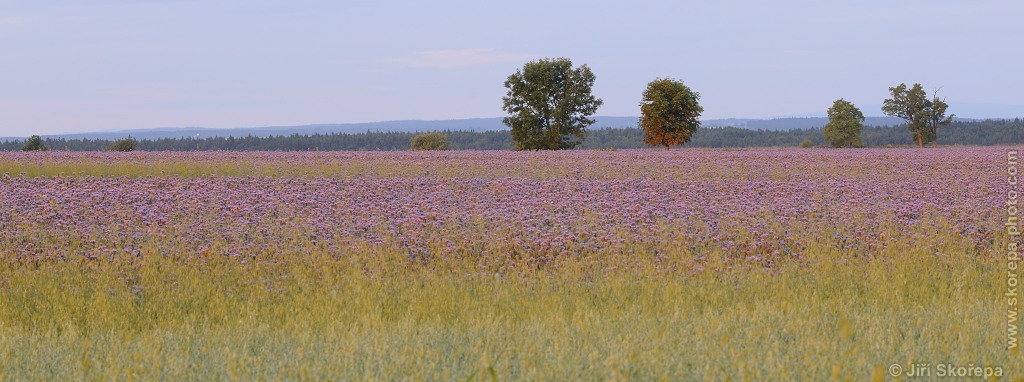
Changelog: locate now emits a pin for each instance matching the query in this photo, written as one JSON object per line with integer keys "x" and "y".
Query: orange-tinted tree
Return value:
{"x": 669, "y": 113}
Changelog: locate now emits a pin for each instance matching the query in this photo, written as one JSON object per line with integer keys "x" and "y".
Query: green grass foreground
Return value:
{"x": 359, "y": 318}
{"x": 94, "y": 286}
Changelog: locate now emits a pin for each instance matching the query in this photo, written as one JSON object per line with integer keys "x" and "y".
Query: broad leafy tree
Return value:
{"x": 34, "y": 143}
{"x": 669, "y": 113}
{"x": 911, "y": 105}
{"x": 549, "y": 104}
{"x": 429, "y": 141}
{"x": 844, "y": 126}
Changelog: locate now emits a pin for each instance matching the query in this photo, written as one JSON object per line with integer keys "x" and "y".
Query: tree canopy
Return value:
{"x": 669, "y": 113}
{"x": 924, "y": 116}
{"x": 844, "y": 126}
{"x": 987, "y": 132}
{"x": 124, "y": 144}
{"x": 909, "y": 105}
{"x": 34, "y": 143}
{"x": 429, "y": 141}
{"x": 937, "y": 117}
{"x": 549, "y": 104}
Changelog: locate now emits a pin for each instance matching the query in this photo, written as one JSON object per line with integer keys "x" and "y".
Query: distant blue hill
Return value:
{"x": 474, "y": 124}
{"x": 792, "y": 123}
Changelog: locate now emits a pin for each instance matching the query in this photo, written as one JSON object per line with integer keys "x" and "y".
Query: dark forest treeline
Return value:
{"x": 988, "y": 132}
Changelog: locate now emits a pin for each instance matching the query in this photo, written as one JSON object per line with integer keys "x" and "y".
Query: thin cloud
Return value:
{"x": 10, "y": 21}
{"x": 455, "y": 58}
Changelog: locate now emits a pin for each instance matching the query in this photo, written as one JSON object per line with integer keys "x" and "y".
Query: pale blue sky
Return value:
{"x": 88, "y": 65}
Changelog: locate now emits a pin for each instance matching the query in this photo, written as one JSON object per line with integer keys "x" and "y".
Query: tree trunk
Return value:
{"x": 920, "y": 140}
{"x": 666, "y": 147}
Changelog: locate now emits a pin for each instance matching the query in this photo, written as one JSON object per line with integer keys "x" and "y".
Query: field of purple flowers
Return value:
{"x": 764, "y": 206}
{"x": 686, "y": 215}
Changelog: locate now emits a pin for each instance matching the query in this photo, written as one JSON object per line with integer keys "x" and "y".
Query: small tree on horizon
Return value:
{"x": 844, "y": 126}
{"x": 549, "y": 104}
{"x": 669, "y": 113}
{"x": 124, "y": 145}
{"x": 34, "y": 143}
{"x": 429, "y": 142}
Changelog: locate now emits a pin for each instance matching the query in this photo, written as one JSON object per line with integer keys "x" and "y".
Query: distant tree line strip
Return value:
{"x": 979, "y": 133}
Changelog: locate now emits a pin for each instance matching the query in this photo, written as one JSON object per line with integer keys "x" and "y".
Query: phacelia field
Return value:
{"x": 635, "y": 264}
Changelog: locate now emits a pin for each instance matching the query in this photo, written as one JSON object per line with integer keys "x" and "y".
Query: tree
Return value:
{"x": 937, "y": 118}
{"x": 34, "y": 143}
{"x": 429, "y": 141}
{"x": 549, "y": 104}
{"x": 669, "y": 113}
{"x": 911, "y": 106}
{"x": 844, "y": 126}
{"x": 124, "y": 144}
